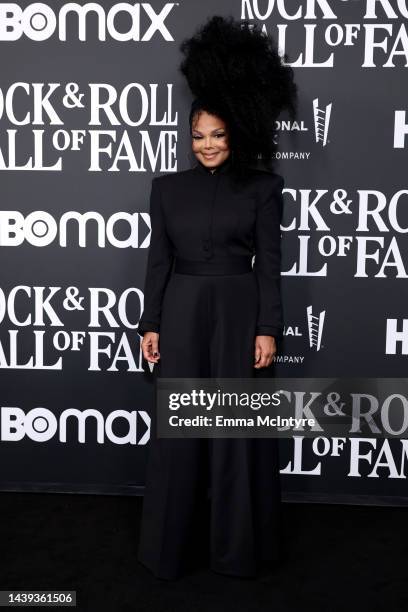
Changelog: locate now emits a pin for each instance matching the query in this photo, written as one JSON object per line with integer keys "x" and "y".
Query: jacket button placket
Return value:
{"x": 207, "y": 241}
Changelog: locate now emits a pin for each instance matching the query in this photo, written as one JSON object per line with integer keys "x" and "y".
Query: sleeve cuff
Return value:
{"x": 147, "y": 326}
{"x": 269, "y": 330}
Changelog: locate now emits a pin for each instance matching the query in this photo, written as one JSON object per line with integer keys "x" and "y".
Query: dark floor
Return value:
{"x": 336, "y": 558}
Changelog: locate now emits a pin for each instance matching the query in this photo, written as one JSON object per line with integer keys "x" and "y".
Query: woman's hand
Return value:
{"x": 150, "y": 347}
{"x": 265, "y": 349}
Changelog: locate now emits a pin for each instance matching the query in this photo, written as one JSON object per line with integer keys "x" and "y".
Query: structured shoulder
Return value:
{"x": 267, "y": 180}
{"x": 171, "y": 178}
{"x": 266, "y": 175}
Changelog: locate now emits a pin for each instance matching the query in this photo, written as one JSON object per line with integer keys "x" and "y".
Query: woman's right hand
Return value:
{"x": 150, "y": 347}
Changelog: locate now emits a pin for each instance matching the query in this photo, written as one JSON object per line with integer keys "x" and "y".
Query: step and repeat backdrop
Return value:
{"x": 92, "y": 107}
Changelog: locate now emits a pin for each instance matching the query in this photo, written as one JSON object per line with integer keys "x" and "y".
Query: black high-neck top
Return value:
{"x": 208, "y": 216}
{"x": 223, "y": 168}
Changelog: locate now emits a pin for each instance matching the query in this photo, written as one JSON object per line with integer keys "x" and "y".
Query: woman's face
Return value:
{"x": 209, "y": 139}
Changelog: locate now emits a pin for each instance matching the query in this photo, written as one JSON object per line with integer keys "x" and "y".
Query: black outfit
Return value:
{"x": 208, "y": 303}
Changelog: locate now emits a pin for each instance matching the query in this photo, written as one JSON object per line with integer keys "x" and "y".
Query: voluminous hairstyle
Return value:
{"x": 234, "y": 71}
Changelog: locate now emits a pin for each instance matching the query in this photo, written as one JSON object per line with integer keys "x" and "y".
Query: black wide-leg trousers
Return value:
{"x": 208, "y": 330}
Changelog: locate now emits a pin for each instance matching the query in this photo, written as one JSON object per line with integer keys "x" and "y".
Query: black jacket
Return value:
{"x": 202, "y": 215}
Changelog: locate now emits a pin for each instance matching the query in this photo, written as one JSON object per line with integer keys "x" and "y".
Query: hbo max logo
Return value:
{"x": 41, "y": 425}
{"x": 39, "y": 22}
{"x": 40, "y": 229}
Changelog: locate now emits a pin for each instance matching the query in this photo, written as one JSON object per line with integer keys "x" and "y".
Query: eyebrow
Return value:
{"x": 216, "y": 130}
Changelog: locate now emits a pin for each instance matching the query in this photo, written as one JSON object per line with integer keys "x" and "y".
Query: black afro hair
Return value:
{"x": 234, "y": 71}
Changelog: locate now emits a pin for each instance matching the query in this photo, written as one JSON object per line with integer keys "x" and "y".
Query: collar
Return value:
{"x": 221, "y": 169}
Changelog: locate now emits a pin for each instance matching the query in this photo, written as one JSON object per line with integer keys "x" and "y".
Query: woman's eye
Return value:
{"x": 195, "y": 137}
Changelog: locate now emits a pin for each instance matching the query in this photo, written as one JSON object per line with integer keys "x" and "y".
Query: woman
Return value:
{"x": 208, "y": 312}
